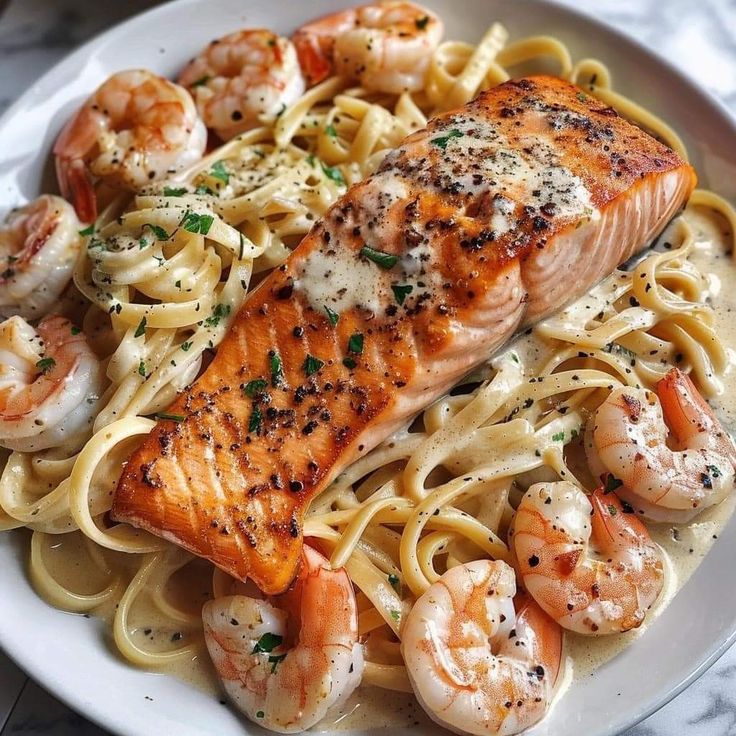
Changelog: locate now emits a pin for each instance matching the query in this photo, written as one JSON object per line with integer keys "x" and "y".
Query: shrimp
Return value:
{"x": 243, "y": 80}
{"x": 136, "y": 128}
{"x": 286, "y": 662}
{"x": 50, "y": 381}
{"x": 386, "y": 46}
{"x": 604, "y": 593}
{"x": 628, "y": 439}
{"x": 38, "y": 249}
{"x": 477, "y": 665}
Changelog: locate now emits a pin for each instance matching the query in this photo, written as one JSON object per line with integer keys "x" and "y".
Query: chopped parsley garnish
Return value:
{"x": 260, "y": 714}
{"x": 75, "y": 330}
{"x": 242, "y": 246}
{"x": 282, "y": 110}
{"x": 178, "y": 284}
{"x": 581, "y": 96}
{"x": 45, "y": 364}
{"x": 421, "y": 23}
{"x": 395, "y": 615}
{"x": 202, "y": 189}
{"x": 310, "y": 159}
{"x": 614, "y": 347}
{"x": 558, "y": 437}
{"x": 201, "y": 81}
{"x": 394, "y": 581}
{"x": 195, "y": 223}
{"x": 714, "y": 470}
{"x": 275, "y": 660}
{"x": 312, "y": 365}
{"x": 158, "y": 231}
{"x": 170, "y": 417}
{"x": 384, "y": 260}
{"x": 218, "y": 171}
{"x": 612, "y": 510}
{"x": 355, "y": 343}
{"x": 87, "y": 231}
{"x": 574, "y": 433}
{"x": 442, "y": 140}
{"x": 267, "y": 643}
{"x": 254, "y": 425}
{"x": 254, "y": 387}
{"x": 349, "y": 363}
{"x": 401, "y": 291}
{"x": 277, "y": 368}
{"x": 332, "y": 316}
{"x": 186, "y": 345}
{"x": 142, "y": 369}
{"x": 331, "y": 131}
{"x": 514, "y": 356}
{"x": 141, "y": 329}
{"x": 174, "y": 191}
{"x": 612, "y": 483}
{"x": 332, "y": 172}
{"x": 219, "y": 311}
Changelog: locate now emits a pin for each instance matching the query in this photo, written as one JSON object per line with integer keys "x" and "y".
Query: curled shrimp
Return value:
{"x": 477, "y": 665}
{"x": 243, "y": 80}
{"x": 592, "y": 567}
{"x": 386, "y": 46}
{"x": 50, "y": 381}
{"x": 39, "y": 244}
{"x": 285, "y": 662}
{"x": 136, "y": 128}
{"x": 628, "y": 438}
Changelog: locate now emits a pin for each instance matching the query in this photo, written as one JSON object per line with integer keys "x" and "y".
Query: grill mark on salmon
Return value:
{"x": 492, "y": 217}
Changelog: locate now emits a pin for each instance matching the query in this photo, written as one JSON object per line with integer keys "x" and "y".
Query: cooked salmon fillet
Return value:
{"x": 492, "y": 217}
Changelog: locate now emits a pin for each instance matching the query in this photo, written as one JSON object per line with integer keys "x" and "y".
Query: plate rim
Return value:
{"x": 98, "y": 715}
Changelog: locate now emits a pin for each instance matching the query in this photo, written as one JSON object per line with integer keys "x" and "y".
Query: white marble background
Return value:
{"x": 36, "y": 33}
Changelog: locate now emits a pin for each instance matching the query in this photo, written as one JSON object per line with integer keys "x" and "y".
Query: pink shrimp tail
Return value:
{"x": 77, "y": 138}
{"x": 314, "y": 54}
{"x": 688, "y": 414}
{"x": 315, "y": 44}
{"x": 612, "y": 522}
{"x": 76, "y": 185}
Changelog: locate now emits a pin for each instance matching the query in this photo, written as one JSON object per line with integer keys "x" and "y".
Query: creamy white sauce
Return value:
{"x": 534, "y": 175}
{"x": 501, "y": 217}
{"x": 339, "y": 277}
{"x": 340, "y": 281}
{"x": 344, "y": 279}
{"x": 377, "y": 197}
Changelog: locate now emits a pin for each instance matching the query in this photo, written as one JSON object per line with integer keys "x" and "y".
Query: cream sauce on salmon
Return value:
{"x": 531, "y": 164}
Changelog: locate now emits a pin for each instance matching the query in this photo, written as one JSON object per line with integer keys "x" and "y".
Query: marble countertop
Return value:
{"x": 699, "y": 36}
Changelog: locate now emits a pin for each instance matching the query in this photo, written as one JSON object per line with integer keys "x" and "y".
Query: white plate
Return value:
{"x": 73, "y": 656}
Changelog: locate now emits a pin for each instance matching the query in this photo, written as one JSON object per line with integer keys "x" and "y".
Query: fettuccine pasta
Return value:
{"x": 165, "y": 271}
